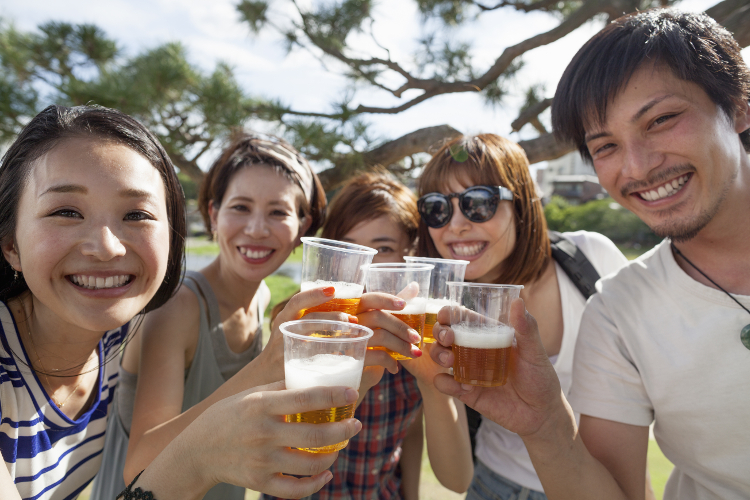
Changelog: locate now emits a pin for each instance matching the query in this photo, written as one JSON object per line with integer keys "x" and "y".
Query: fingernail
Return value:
{"x": 415, "y": 352}
{"x": 351, "y": 395}
{"x": 443, "y": 357}
{"x": 414, "y": 336}
{"x": 353, "y": 319}
{"x": 467, "y": 387}
{"x": 441, "y": 335}
{"x": 328, "y": 291}
{"x": 358, "y": 425}
{"x": 328, "y": 476}
{"x": 399, "y": 302}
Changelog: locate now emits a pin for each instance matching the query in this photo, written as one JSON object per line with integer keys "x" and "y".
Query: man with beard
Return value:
{"x": 658, "y": 101}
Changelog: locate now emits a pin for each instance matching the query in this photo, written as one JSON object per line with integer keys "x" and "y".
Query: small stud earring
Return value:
{"x": 15, "y": 275}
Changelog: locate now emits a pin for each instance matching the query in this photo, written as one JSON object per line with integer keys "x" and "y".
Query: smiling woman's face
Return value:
{"x": 92, "y": 234}
{"x": 484, "y": 244}
{"x": 384, "y": 235}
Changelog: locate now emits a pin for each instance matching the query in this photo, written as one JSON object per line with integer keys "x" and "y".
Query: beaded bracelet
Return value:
{"x": 138, "y": 494}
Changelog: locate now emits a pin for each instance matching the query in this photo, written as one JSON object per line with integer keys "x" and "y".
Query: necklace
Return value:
{"x": 745, "y": 332}
{"x": 44, "y": 372}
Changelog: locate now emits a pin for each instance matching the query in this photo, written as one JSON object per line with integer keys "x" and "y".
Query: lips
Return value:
{"x": 468, "y": 249}
{"x": 664, "y": 190}
{"x": 100, "y": 282}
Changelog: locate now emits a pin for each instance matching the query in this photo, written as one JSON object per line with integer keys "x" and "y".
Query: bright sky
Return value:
{"x": 212, "y": 31}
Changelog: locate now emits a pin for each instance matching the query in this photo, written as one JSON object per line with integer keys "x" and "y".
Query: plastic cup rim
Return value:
{"x": 400, "y": 266}
{"x": 340, "y": 246}
{"x": 368, "y": 332}
{"x": 410, "y": 258}
{"x": 484, "y": 285}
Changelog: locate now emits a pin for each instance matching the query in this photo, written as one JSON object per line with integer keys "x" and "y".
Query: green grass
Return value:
{"x": 282, "y": 287}
{"x": 659, "y": 467}
{"x": 201, "y": 246}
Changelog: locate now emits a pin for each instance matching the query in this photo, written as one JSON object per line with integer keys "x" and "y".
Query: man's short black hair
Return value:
{"x": 693, "y": 46}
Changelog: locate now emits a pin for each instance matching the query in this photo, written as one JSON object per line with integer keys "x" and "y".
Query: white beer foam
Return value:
{"x": 323, "y": 370}
{"x": 344, "y": 290}
{"x": 487, "y": 337}
{"x": 413, "y": 306}
{"x": 434, "y": 305}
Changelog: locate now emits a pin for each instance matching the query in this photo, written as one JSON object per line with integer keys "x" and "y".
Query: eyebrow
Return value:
{"x": 635, "y": 117}
{"x": 380, "y": 239}
{"x": 77, "y": 188}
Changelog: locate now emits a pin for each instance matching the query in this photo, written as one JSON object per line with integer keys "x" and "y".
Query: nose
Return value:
{"x": 640, "y": 159}
{"x": 103, "y": 244}
{"x": 257, "y": 226}
{"x": 458, "y": 222}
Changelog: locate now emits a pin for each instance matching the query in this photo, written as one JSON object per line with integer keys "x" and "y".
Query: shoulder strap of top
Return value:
{"x": 200, "y": 286}
{"x": 575, "y": 263}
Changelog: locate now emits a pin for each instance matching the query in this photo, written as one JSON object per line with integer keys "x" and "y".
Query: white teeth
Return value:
{"x": 95, "y": 283}
{"x": 255, "y": 254}
{"x": 667, "y": 189}
{"x": 468, "y": 250}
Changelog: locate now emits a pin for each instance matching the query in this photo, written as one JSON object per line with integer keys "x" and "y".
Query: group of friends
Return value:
{"x": 118, "y": 367}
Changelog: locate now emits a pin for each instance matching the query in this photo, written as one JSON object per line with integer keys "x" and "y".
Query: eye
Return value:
{"x": 663, "y": 119}
{"x": 280, "y": 213}
{"x": 138, "y": 215}
{"x": 385, "y": 250}
{"x": 602, "y": 149}
{"x": 67, "y": 213}
{"x": 240, "y": 208}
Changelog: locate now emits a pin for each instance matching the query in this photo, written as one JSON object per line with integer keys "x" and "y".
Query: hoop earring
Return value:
{"x": 15, "y": 275}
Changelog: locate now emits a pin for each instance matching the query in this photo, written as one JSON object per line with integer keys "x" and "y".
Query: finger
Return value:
{"x": 275, "y": 386}
{"x": 443, "y": 356}
{"x": 390, "y": 323}
{"x": 304, "y": 435}
{"x": 446, "y": 384}
{"x": 444, "y": 315}
{"x": 410, "y": 291}
{"x": 305, "y": 300}
{"x": 443, "y": 334}
{"x": 383, "y": 340}
{"x": 296, "y": 487}
{"x": 333, "y": 316}
{"x": 377, "y": 300}
{"x": 288, "y": 402}
{"x": 381, "y": 358}
{"x": 299, "y": 462}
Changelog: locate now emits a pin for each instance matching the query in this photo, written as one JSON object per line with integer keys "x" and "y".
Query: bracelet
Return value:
{"x": 129, "y": 494}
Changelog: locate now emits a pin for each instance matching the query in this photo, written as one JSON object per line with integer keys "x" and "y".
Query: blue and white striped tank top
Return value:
{"x": 49, "y": 456}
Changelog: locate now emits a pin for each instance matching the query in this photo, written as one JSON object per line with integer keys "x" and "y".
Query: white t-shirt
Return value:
{"x": 656, "y": 345}
{"x": 498, "y": 448}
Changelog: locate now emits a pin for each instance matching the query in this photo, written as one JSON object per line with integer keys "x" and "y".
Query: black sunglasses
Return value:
{"x": 478, "y": 204}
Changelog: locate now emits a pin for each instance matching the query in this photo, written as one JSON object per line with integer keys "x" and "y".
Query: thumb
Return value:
{"x": 527, "y": 331}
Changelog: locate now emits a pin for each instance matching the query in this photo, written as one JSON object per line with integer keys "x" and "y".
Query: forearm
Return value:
{"x": 565, "y": 467}
{"x": 411, "y": 459}
{"x": 146, "y": 445}
{"x": 447, "y": 435}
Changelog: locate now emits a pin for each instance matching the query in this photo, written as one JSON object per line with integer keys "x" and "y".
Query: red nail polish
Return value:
{"x": 353, "y": 319}
{"x": 328, "y": 291}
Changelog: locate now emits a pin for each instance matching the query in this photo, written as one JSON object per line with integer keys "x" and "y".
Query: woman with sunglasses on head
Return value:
{"x": 479, "y": 203}
{"x": 92, "y": 229}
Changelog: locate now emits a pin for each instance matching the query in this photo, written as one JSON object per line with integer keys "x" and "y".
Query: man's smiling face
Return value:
{"x": 667, "y": 152}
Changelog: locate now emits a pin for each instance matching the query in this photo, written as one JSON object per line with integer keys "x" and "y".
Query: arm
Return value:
{"x": 244, "y": 440}
{"x": 532, "y": 405}
{"x": 446, "y": 427}
{"x": 7, "y": 487}
{"x": 411, "y": 459}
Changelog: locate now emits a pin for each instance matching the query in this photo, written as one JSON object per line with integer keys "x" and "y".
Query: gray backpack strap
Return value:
{"x": 575, "y": 264}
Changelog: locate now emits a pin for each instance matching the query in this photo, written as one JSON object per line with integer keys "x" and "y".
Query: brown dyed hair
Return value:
{"x": 243, "y": 151}
{"x": 491, "y": 160}
{"x": 367, "y": 197}
{"x": 693, "y": 46}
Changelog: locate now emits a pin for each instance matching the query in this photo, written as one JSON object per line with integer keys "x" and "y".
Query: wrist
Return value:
{"x": 557, "y": 432}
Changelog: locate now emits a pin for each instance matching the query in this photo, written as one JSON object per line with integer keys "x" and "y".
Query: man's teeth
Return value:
{"x": 468, "y": 250}
{"x": 255, "y": 254}
{"x": 665, "y": 190}
{"x": 96, "y": 282}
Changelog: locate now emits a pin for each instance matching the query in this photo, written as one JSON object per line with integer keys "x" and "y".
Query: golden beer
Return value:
{"x": 429, "y": 321}
{"x": 416, "y": 322}
{"x": 347, "y": 306}
{"x": 481, "y": 355}
{"x": 324, "y": 417}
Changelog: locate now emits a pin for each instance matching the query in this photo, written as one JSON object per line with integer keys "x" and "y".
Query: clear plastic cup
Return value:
{"x": 338, "y": 264}
{"x": 411, "y": 282}
{"x": 445, "y": 270}
{"x": 324, "y": 353}
{"x": 482, "y": 333}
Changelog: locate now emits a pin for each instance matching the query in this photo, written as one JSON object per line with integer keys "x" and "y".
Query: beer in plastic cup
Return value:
{"x": 483, "y": 336}
{"x": 324, "y": 353}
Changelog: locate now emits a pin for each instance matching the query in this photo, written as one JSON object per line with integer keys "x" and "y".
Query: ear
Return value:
{"x": 213, "y": 214}
{"x": 10, "y": 252}
{"x": 304, "y": 224}
{"x": 742, "y": 117}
